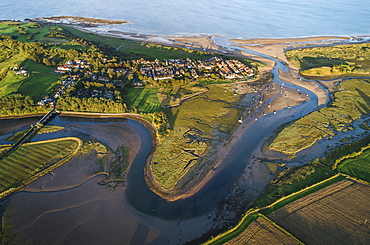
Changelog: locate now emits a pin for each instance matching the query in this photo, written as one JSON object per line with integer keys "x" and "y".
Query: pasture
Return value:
{"x": 145, "y": 100}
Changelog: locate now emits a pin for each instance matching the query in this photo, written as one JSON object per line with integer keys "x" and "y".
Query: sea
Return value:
{"x": 231, "y": 19}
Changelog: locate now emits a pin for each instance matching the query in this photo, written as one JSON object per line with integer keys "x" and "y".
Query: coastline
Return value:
{"x": 272, "y": 47}
{"x": 204, "y": 175}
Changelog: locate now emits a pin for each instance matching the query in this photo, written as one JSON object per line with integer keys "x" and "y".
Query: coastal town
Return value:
{"x": 142, "y": 73}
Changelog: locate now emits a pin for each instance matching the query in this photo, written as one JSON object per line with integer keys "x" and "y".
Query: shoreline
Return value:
{"x": 270, "y": 47}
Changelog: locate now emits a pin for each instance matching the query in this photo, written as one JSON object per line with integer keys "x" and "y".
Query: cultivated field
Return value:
{"x": 337, "y": 214}
{"x": 263, "y": 231}
{"x": 29, "y": 160}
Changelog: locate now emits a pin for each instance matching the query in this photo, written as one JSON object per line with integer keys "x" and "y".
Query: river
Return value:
{"x": 133, "y": 213}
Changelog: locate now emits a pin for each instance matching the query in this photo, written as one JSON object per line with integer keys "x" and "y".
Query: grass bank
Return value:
{"x": 33, "y": 160}
{"x": 349, "y": 104}
{"x": 198, "y": 123}
{"x": 332, "y": 61}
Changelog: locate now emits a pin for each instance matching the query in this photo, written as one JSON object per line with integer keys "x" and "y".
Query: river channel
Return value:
{"x": 69, "y": 206}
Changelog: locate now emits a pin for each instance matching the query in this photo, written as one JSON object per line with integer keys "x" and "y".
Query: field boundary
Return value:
{"x": 281, "y": 229}
{"x": 349, "y": 156}
{"x": 47, "y": 170}
{"x": 247, "y": 217}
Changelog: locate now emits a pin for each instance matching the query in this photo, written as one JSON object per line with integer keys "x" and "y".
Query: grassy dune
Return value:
{"x": 349, "y": 104}
{"x": 33, "y": 160}
{"x": 332, "y": 61}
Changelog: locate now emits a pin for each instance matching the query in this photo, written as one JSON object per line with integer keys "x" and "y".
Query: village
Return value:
{"x": 142, "y": 73}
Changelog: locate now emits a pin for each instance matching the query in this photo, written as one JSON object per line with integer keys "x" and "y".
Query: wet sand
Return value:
{"x": 69, "y": 206}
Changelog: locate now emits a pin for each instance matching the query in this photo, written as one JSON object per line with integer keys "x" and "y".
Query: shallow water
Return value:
{"x": 235, "y": 18}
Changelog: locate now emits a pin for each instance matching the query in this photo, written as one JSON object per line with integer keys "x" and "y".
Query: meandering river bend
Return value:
{"x": 69, "y": 206}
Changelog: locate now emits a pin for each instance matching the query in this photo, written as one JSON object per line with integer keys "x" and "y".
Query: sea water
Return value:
{"x": 232, "y": 18}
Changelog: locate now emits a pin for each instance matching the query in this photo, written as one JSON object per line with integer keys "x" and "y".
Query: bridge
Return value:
{"x": 30, "y": 133}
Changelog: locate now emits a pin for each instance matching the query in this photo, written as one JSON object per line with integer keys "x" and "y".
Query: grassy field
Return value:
{"x": 358, "y": 167}
{"x": 336, "y": 214}
{"x": 40, "y": 81}
{"x": 332, "y": 61}
{"x": 137, "y": 50}
{"x": 349, "y": 104}
{"x": 30, "y": 159}
{"x": 145, "y": 100}
{"x": 26, "y": 32}
{"x": 171, "y": 96}
{"x": 199, "y": 122}
{"x": 10, "y": 84}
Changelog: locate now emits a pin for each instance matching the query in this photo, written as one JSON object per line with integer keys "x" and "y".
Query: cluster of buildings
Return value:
{"x": 139, "y": 72}
{"x": 51, "y": 100}
{"x": 71, "y": 65}
{"x": 20, "y": 71}
{"x": 169, "y": 69}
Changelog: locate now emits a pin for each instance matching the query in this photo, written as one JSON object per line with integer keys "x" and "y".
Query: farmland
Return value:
{"x": 33, "y": 160}
{"x": 349, "y": 104}
{"x": 329, "y": 216}
{"x": 263, "y": 231}
{"x": 342, "y": 60}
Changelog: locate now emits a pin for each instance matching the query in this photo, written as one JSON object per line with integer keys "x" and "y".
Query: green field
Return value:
{"x": 137, "y": 50}
{"x": 40, "y": 82}
{"x": 30, "y": 159}
{"x": 358, "y": 167}
{"x": 145, "y": 100}
{"x": 350, "y": 103}
{"x": 332, "y": 61}
{"x": 33, "y": 32}
{"x": 19, "y": 51}
{"x": 197, "y": 124}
